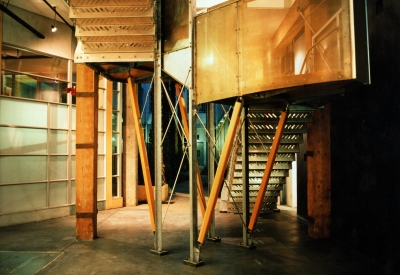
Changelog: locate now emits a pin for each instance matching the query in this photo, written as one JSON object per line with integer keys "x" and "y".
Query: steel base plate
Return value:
{"x": 159, "y": 253}
{"x": 193, "y": 264}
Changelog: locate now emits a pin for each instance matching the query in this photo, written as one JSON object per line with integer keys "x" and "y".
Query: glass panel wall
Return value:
{"x": 101, "y": 143}
{"x": 38, "y": 133}
{"x": 116, "y": 139}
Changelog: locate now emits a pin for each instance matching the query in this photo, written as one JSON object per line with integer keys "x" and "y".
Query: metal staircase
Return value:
{"x": 262, "y": 126}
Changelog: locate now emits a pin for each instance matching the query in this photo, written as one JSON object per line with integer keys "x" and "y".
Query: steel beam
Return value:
{"x": 268, "y": 169}
{"x": 142, "y": 150}
{"x": 219, "y": 175}
{"x": 185, "y": 119}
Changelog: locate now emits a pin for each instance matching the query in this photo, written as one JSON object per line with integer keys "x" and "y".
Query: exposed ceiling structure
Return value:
{"x": 40, "y": 7}
{"x": 115, "y": 38}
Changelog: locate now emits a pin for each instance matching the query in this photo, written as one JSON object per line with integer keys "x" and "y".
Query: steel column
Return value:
{"x": 185, "y": 120}
{"x": 245, "y": 178}
{"x": 268, "y": 169}
{"x": 219, "y": 175}
{"x": 211, "y": 168}
{"x": 142, "y": 150}
{"x": 157, "y": 126}
{"x": 194, "y": 259}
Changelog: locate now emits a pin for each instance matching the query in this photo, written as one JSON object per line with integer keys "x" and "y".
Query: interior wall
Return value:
{"x": 60, "y": 43}
{"x": 366, "y": 150}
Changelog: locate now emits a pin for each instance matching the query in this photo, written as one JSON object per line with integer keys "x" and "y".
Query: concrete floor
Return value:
{"x": 125, "y": 240}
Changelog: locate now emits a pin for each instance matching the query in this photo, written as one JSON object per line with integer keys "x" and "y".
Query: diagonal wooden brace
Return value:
{"x": 219, "y": 175}
{"x": 183, "y": 110}
{"x": 143, "y": 154}
{"x": 268, "y": 170}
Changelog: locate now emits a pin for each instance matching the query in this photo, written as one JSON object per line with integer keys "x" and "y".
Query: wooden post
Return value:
{"x": 319, "y": 174}
{"x": 268, "y": 169}
{"x": 219, "y": 175}
{"x": 86, "y": 152}
{"x": 142, "y": 150}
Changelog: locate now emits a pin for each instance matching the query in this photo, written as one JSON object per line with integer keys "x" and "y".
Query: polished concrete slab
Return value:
{"x": 125, "y": 240}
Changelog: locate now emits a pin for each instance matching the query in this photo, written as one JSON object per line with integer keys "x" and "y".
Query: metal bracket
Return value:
{"x": 249, "y": 245}
{"x": 196, "y": 262}
{"x": 215, "y": 239}
{"x": 308, "y": 154}
{"x": 159, "y": 253}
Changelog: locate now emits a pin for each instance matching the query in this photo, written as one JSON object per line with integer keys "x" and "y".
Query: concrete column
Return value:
{"x": 131, "y": 156}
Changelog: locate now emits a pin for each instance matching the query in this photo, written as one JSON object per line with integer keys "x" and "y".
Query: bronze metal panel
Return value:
{"x": 175, "y": 25}
{"x": 278, "y": 46}
{"x": 216, "y": 55}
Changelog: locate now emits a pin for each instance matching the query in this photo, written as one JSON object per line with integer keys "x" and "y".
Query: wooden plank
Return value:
{"x": 319, "y": 175}
{"x": 143, "y": 154}
{"x": 219, "y": 175}
{"x": 267, "y": 171}
{"x": 86, "y": 153}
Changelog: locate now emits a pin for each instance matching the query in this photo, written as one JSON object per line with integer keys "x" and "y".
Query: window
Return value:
{"x": 32, "y": 75}
{"x": 116, "y": 139}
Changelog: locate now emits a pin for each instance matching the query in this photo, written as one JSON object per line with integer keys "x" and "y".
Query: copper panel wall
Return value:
{"x": 216, "y": 54}
{"x": 293, "y": 43}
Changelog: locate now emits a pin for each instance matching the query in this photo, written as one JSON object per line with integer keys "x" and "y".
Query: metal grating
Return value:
{"x": 114, "y": 31}
{"x": 262, "y": 127}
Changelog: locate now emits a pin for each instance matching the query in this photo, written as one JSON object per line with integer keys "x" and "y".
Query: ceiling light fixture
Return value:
{"x": 53, "y": 27}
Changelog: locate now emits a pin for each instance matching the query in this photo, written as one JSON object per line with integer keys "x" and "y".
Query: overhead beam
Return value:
{"x": 59, "y": 15}
{"x": 21, "y": 21}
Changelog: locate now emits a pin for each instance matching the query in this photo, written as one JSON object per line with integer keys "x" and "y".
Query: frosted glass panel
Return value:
{"x": 101, "y": 189}
{"x": 22, "y": 197}
{"x": 59, "y": 116}
{"x": 18, "y": 141}
{"x": 73, "y": 167}
{"x": 58, "y": 167}
{"x": 101, "y": 167}
{"x": 101, "y": 143}
{"x": 102, "y": 99}
{"x": 101, "y": 121}
{"x": 58, "y": 193}
{"x": 24, "y": 113}
{"x": 58, "y": 142}
{"x": 73, "y": 192}
{"x": 22, "y": 168}
{"x": 73, "y": 118}
{"x": 73, "y": 142}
